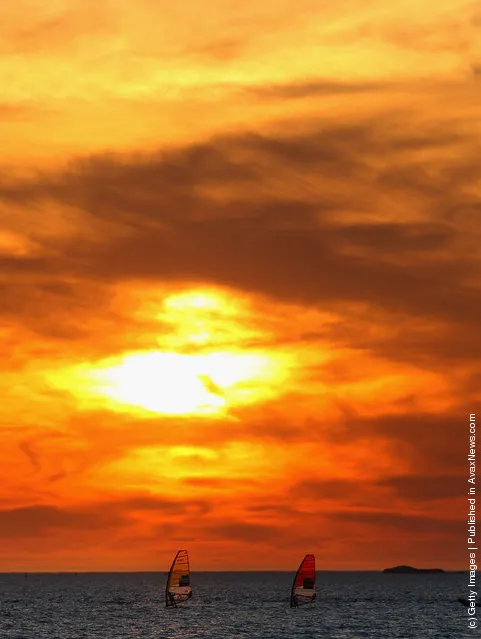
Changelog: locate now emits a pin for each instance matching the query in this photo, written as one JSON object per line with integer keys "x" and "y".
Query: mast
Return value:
{"x": 169, "y": 599}
{"x": 178, "y": 587}
{"x": 294, "y": 603}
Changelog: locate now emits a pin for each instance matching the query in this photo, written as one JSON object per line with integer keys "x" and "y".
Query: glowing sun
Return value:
{"x": 173, "y": 383}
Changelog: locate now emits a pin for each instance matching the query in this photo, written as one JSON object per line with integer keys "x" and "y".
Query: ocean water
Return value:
{"x": 233, "y": 606}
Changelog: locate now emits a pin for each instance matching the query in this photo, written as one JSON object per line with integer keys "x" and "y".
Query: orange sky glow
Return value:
{"x": 240, "y": 278}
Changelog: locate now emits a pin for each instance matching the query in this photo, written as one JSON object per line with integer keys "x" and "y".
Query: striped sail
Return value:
{"x": 178, "y": 582}
{"x": 304, "y": 585}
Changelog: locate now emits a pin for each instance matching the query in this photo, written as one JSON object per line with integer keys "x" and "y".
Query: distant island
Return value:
{"x": 409, "y": 570}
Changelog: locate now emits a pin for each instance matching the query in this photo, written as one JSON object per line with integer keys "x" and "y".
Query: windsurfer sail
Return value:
{"x": 304, "y": 585}
{"x": 178, "y": 587}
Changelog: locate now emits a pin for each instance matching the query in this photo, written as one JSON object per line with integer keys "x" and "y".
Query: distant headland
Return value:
{"x": 409, "y": 570}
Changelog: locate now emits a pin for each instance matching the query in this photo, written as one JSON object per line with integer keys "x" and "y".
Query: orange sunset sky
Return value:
{"x": 240, "y": 282}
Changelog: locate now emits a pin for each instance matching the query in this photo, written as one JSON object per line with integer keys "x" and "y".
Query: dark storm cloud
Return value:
{"x": 410, "y": 487}
{"x": 431, "y": 441}
{"x": 417, "y": 345}
{"x": 50, "y": 307}
{"x": 413, "y": 524}
{"x": 299, "y": 265}
{"x": 294, "y": 248}
{"x": 32, "y": 521}
{"x": 147, "y": 186}
{"x": 425, "y": 487}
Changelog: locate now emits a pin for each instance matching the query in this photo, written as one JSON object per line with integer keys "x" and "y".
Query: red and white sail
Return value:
{"x": 304, "y": 586}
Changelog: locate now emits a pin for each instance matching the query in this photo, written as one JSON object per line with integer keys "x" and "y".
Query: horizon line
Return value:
{"x": 116, "y": 572}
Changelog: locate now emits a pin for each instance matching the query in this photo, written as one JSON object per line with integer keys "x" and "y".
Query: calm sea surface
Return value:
{"x": 233, "y": 606}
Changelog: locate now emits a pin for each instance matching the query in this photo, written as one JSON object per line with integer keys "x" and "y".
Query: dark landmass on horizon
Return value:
{"x": 410, "y": 570}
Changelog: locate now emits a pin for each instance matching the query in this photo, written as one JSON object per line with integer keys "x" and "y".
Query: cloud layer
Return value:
{"x": 322, "y": 228}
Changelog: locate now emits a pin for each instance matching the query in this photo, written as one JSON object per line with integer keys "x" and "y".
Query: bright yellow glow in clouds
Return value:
{"x": 171, "y": 383}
